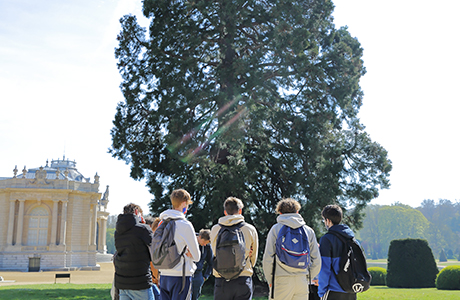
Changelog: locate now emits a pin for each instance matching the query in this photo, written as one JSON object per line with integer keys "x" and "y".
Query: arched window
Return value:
{"x": 38, "y": 227}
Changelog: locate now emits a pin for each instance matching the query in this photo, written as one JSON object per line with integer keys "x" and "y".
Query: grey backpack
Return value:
{"x": 164, "y": 252}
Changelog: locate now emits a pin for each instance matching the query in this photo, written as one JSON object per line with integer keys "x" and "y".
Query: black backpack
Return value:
{"x": 353, "y": 275}
{"x": 230, "y": 260}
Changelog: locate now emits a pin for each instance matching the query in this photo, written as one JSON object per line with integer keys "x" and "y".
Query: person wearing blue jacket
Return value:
{"x": 203, "y": 238}
{"x": 330, "y": 248}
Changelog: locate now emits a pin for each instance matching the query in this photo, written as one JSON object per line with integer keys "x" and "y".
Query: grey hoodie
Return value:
{"x": 292, "y": 220}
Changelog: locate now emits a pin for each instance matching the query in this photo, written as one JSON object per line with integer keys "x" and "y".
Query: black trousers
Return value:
{"x": 330, "y": 295}
{"x": 236, "y": 289}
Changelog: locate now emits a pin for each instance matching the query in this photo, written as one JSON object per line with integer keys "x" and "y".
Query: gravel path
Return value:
{"x": 105, "y": 275}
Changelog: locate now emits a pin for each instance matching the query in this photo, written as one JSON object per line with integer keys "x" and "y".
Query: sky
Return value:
{"x": 59, "y": 88}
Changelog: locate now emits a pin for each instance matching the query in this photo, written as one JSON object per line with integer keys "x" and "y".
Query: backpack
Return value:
{"x": 230, "y": 258}
{"x": 353, "y": 276}
{"x": 164, "y": 252}
{"x": 293, "y": 248}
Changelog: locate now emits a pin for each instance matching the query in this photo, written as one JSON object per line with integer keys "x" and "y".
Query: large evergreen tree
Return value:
{"x": 250, "y": 98}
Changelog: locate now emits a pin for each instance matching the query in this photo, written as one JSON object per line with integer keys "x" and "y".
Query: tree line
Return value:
{"x": 437, "y": 222}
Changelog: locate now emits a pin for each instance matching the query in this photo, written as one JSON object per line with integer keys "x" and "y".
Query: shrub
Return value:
{"x": 442, "y": 256}
{"x": 379, "y": 275}
{"x": 449, "y": 278}
{"x": 411, "y": 264}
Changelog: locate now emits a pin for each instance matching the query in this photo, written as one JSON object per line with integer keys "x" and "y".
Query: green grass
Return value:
{"x": 56, "y": 291}
{"x": 380, "y": 293}
{"x": 383, "y": 263}
{"x": 102, "y": 291}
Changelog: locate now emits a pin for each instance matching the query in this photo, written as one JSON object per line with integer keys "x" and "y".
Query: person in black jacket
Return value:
{"x": 132, "y": 259}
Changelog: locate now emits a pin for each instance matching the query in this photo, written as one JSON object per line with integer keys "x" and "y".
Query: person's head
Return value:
{"x": 204, "y": 237}
{"x": 155, "y": 224}
{"x": 287, "y": 206}
{"x": 149, "y": 220}
{"x": 180, "y": 199}
{"x": 132, "y": 209}
{"x": 135, "y": 210}
{"x": 333, "y": 213}
{"x": 233, "y": 206}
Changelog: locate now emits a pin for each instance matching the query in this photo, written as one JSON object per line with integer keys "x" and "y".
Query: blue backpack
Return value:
{"x": 292, "y": 247}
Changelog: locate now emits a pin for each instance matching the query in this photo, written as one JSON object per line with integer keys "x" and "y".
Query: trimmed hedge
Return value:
{"x": 411, "y": 264}
{"x": 449, "y": 278}
{"x": 379, "y": 275}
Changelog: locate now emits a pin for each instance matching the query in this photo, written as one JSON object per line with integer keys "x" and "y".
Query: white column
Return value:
{"x": 102, "y": 235}
{"x": 9, "y": 239}
{"x": 20, "y": 223}
{"x": 94, "y": 233}
{"x": 63, "y": 222}
{"x": 54, "y": 228}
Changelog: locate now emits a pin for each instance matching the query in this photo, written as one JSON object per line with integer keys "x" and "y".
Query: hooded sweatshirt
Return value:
{"x": 250, "y": 238}
{"x": 132, "y": 260}
{"x": 331, "y": 247}
{"x": 292, "y": 220}
{"x": 184, "y": 237}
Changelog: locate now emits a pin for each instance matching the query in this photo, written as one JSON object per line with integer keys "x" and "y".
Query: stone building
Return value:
{"x": 52, "y": 219}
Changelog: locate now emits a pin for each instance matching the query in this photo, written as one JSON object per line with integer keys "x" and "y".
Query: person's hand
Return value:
{"x": 315, "y": 282}
{"x": 188, "y": 253}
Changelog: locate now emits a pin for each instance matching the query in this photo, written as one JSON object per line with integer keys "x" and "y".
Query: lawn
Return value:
{"x": 71, "y": 291}
{"x": 60, "y": 291}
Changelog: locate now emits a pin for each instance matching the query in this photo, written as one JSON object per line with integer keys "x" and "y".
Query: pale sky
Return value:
{"x": 60, "y": 87}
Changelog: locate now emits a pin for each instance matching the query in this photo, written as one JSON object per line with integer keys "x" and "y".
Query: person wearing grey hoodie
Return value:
{"x": 290, "y": 283}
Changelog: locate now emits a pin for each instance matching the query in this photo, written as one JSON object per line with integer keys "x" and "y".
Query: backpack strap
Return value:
{"x": 183, "y": 270}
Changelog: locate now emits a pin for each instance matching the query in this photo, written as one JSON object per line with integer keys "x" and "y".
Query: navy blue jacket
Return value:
{"x": 331, "y": 248}
{"x": 132, "y": 259}
{"x": 206, "y": 256}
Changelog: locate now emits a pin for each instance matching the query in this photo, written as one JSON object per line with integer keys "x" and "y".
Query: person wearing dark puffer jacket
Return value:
{"x": 132, "y": 259}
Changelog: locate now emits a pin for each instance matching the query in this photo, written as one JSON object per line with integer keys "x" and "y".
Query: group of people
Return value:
{"x": 136, "y": 277}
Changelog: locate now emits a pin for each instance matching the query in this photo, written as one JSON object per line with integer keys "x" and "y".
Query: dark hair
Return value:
{"x": 205, "y": 234}
{"x": 131, "y": 209}
{"x": 333, "y": 213}
{"x": 287, "y": 206}
{"x": 232, "y": 205}
{"x": 149, "y": 220}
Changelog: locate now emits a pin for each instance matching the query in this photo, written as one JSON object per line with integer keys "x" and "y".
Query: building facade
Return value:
{"x": 53, "y": 219}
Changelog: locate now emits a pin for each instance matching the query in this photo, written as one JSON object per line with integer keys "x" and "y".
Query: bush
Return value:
{"x": 379, "y": 275}
{"x": 449, "y": 278}
{"x": 411, "y": 264}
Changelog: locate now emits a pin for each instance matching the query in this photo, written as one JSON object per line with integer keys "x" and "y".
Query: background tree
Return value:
{"x": 385, "y": 223}
{"x": 254, "y": 99}
{"x": 444, "y": 218}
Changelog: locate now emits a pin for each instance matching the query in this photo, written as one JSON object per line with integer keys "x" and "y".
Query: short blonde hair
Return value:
{"x": 179, "y": 196}
{"x": 287, "y": 205}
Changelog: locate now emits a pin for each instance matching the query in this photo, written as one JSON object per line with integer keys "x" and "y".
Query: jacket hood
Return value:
{"x": 125, "y": 222}
{"x": 343, "y": 230}
{"x": 172, "y": 214}
{"x": 231, "y": 220}
{"x": 292, "y": 220}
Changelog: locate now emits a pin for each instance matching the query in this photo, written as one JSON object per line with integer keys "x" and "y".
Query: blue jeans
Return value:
{"x": 146, "y": 294}
{"x": 156, "y": 292}
{"x": 197, "y": 283}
